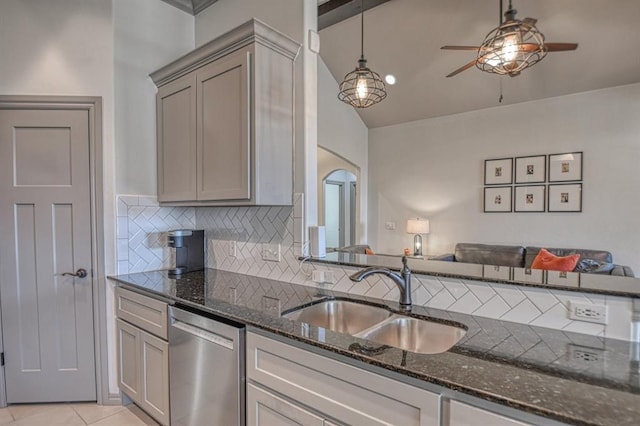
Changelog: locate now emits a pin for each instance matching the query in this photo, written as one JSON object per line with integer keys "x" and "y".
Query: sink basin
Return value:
{"x": 414, "y": 335}
{"x": 341, "y": 316}
{"x": 380, "y": 325}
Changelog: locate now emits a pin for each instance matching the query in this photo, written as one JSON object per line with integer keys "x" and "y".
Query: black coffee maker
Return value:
{"x": 189, "y": 245}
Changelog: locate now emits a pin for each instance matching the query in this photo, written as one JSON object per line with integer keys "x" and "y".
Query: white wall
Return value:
{"x": 225, "y": 15}
{"x": 148, "y": 35}
{"x": 342, "y": 131}
{"x": 434, "y": 169}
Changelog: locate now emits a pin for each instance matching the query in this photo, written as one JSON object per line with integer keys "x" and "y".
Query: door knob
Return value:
{"x": 80, "y": 273}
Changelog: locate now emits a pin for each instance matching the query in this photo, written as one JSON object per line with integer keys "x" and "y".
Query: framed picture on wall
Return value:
{"x": 565, "y": 167}
{"x": 497, "y": 199}
{"x": 565, "y": 198}
{"x": 532, "y": 169}
{"x": 498, "y": 171}
{"x": 530, "y": 199}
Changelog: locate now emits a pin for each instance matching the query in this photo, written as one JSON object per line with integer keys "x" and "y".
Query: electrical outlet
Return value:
{"x": 585, "y": 354}
{"x": 390, "y": 226}
{"x": 588, "y": 312}
{"x": 328, "y": 277}
{"x": 322, "y": 277}
{"x": 271, "y": 252}
{"x": 233, "y": 249}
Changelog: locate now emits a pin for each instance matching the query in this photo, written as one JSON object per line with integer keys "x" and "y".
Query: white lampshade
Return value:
{"x": 417, "y": 226}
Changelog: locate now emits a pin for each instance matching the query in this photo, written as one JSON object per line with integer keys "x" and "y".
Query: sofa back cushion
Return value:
{"x": 490, "y": 254}
{"x": 597, "y": 255}
{"x": 357, "y": 249}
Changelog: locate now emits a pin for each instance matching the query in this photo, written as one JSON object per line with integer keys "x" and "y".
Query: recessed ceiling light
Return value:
{"x": 390, "y": 79}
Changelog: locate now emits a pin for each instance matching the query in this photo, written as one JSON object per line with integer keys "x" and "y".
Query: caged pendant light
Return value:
{"x": 511, "y": 47}
{"x": 362, "y": 87}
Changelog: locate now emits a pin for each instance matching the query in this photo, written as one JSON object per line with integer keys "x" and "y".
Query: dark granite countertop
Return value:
{"x": 570, "y": 377}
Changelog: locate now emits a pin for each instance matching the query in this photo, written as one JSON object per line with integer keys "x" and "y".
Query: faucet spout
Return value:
{"x": 402, "y": 280}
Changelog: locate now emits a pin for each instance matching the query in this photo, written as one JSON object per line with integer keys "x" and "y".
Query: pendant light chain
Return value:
{"x": 361, "y": 29}
{"x": 362, "y": 87}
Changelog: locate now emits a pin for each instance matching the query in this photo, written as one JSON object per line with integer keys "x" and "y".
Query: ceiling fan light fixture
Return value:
{"x": 512, "y": 47}
{"x": 362, "y": 87}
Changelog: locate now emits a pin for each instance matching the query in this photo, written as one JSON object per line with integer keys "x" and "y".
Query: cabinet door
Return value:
{"x": 267, "y": 409}
{"x": 224, "y": 161}
{"x": 465, "y": 415}
{"x": 176, "y": 133}
{"x": 154, "y": 360}
{"x": 341, "y": 392}
{"x": 128, "y": 359}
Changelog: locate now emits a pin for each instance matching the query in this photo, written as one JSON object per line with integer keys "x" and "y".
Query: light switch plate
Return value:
{"x": 314, "y": 41}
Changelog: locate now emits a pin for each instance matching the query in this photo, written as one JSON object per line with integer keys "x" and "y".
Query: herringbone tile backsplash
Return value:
{"x": 251, "y": 228}
{"x": 142, "y": 233}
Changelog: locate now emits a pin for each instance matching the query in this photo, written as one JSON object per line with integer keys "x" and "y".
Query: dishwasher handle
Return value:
{"x": 203, "y": 334}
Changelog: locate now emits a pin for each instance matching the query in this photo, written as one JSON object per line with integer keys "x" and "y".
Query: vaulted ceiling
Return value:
{"x": 403, "y": 37}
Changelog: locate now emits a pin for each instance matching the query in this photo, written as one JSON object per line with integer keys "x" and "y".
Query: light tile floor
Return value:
{"x": 79, "y": 414}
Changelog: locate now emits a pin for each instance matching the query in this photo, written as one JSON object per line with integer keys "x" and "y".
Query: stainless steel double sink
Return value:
{"x": 380, "y": 325}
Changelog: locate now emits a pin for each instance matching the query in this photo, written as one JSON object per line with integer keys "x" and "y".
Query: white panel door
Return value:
{"x": 47, "y": 317}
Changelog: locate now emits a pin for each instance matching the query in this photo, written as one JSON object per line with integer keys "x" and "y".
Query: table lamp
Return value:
{"x": 417, "y": 227}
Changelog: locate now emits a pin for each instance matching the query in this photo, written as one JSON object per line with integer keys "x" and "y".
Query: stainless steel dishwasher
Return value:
{"x": 206, "y": 371}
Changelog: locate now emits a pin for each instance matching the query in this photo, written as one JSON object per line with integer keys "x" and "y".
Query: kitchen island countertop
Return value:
{"x": 537, "y": 370}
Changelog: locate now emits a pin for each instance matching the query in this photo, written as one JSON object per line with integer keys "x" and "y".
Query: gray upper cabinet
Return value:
{"x": 225, "y": 121}
{"x": 176, "y": 135}
{"x": 223, "y": 129}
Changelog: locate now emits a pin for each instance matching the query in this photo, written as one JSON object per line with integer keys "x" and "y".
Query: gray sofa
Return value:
{"x": 591, "y": 261}
{"x": 355, "y": 249}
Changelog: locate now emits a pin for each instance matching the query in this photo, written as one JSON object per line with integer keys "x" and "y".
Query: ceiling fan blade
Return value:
{"x": 560, "y": 47}
{"x": 459, "y": 48}
{"x": 462, "y": 68}
{"x": 529, "y": 47}
{"x": 530, "y": 21}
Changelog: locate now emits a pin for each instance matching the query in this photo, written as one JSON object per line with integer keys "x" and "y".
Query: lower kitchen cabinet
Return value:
{"x": 466, "y": 415}
{"x": 267, "y": 409}
{"x": 143, "y": 352}
{"x": 290, "y": 385}
{"x": 288, "y": 379}
{"x": 144, "y": 370}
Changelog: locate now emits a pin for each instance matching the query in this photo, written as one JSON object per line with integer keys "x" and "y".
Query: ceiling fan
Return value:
{"x": 511, "y": 47}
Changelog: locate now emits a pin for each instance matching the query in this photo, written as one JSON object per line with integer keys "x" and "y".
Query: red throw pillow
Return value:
{"x": 551, "y": 262}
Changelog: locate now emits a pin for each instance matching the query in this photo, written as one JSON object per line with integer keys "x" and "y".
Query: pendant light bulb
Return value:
{"x": 510, "y": 47}
{"x": 361, "y": 88}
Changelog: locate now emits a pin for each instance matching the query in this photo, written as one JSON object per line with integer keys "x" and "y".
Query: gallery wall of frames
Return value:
{"x": 534, "y": 184}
